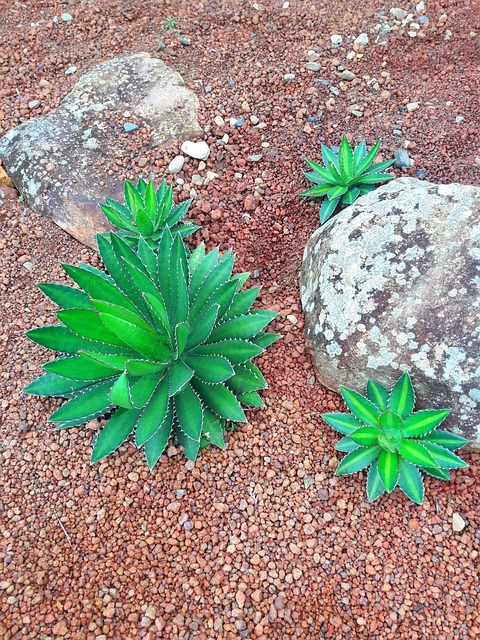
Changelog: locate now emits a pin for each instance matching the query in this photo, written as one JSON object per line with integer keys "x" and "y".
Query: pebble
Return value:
{"x": 412, "y": 106}
{"x": 347, "y": 75}
{"x": 130, "y": 126}
{"x": 176, "y": 165}
{"x": 398, "y": 14}
{"x": 458, "y": 119}
{"x": 336, "y": 39}
{"x": 289, "y": 76}
{"x": 185, "y": 41}
{"x": 142, "y": 162}
{"x": 254, "y": 120}
{"x": 70, "y": 70}
{"x": 420, "y": 6}
{"x": 313, "y": 66}
{"x": 361, "y": 40}
{"x": 458, "y": 523}
{"x": 238, "y": 122}
{"x": 255, "y": 157}
{"x": 219, "y": 121}
{"x": 402, "y": 159}
{"x": 397, "y": 132}
{"x": 66, "y": 17}
{"x": 198, "y": 150}
{"x": 421, "y": 175}
{"x": 33, "y": 104}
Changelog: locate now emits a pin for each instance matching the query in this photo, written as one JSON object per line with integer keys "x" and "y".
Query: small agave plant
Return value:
{"x": 163, "y": 343}
{"x": 147, "y": 212}
{"x": 345, "y": 176}
{"x": 384, "y": 433}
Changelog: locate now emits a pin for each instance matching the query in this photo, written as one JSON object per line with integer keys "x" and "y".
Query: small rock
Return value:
{"x": 142, "y": 162}
{"x": 361, "y": 40}
{"x": 66, "y": 17}
{"x": 423, "y": 19}
{"x": 420, "y": 6}
{"x": 412, "y": 34}
{"x": 130, "y": 126}
{"x": 254, "y": 120}
{"x": 197, "y": 180}
{"x": 313, "y": 66}
{"x": 219, "y": 121}
{"x": 60, "y": 629}
{"x": 412, "y": 106}
{"x": 161, "y": 45}
{"x": 198, "y": 150}
{"x": 421, "y": 175}
{"x": 201, "y": 165}
{"x": 336, "y": 39}
{"x": 176, "y": 165}
{"x": 238, "y": 123}
{"x": 458, "y": 119}
{"x": 289, "y": 76}
{"x": 347, "y": 75}
{"x": 185, "y": 41}
{"x": 458, "y": 523}
{"x": 398, "y": 14}
{"x": 33, "y": 104}
{"x": 70, "y": 70}
{"x": 402, "y": 158}
{"x": 397, "y": 132}
{"x": 250, "y": 203}
{"x": 255, "y": 157}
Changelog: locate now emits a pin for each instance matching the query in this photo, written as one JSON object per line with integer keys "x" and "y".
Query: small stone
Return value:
{"x": 219, "y": 121}
{"x": 397, "y": 132}
{"x": 398, "y": 14}
{"x": 185, "y": 41}
{"x": 402, "y": 158}
{"x": 176, "y": 165}
{"x": 142, "y": 162}
{"x": 198, "y": 150}
{"x": 238, "y": 122}
{"x": 361, "y": 40}
{"x": 347, "y": 75}
{"x": 458, "y": 119}
{"x": 421, "y": 175}
{"x": 336, "y": 39}
{"x": 313, "y": 66}
{"x": 70, "y": 70}
{"x": 423, "y": 19}
{"x": 335, "y": 91}
{"x": 308, "y": 481}
{"x": 458, "y": 523}
{"x": 201, "y": 165}
{"x": 60, "y": 629}
{"x": 250, "y": 203}
{"x": 254, "y": 120}
{"x": 130, "y": 126}
{"x": 420, "y": 7}
{"x": 197, "y": 180}
{"x": 255, "y": 157}
{"x": 33, "y": 104}
{"x": 412, "y": 34}
{"x": 66, "y": 17}
{"x": 289, "y": 76}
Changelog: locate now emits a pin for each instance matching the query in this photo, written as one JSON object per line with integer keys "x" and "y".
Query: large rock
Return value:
{"x": 391, "y": 284}
{"x": 54, "y": 159}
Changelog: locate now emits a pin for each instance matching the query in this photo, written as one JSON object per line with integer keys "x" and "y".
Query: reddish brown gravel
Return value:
{"x": 261, "y": 541}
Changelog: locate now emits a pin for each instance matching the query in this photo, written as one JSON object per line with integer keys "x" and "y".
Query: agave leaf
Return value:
{"x": 137, "y": 368}
{"x": 148, "y": 257}
{"x": 196, "y": 257}
{"x": 378, "y": 395}
{"x": 244, "y": 381}
{"x": 372, "y": 178}
{"x": 87, "y": 404}
{"x": 189, "y": 412}
{"x": 178, "y": 311}
{"x": 219, "y": 399}
{"x": 402, "y": 396}
{"x": 223, "y": 297}
{"x": 236, "y": 351}
{"x": 241, "y": 328}
{"x": 190, "y": 447}
{"x": 350, "y": 196}
{"x": 316, "y": 192}
{"x": 66, "y": 297}
{"x": 153, "y": 415}
{"x": 388, "y": 469}
{"x": 181, "y": 335}
{"x": 375, "y": 486}
{"x": 415, "y": 452}
{"x": 133, "y": 199}
{"x": 213, "y": 428}
{"x": 444, "y": 458}
{"x": 264, "y": 340}
{"x": 200, "y": 266}
{"x": 422, "y": 422}
{"x": 80, "y": 367}
{"x": 155, "y": 446}
{"x": 164, "y": 203}
{"x": 335, "y": 192}
{"x": 114, "y": 433}
{"x": 53, "y": 385}
{"x": 320, "y": 171}
{"x": 357, "y": 460}
{"x": 410, "y": 481}
{"x": 346, "y": 445}
{"x": 178, "y": 212}
{"x": 61, "y": 339}
{"x": 368, "y": 159}
{"x": 202, "y": 326}
{"x": 212, "y": 369}
{"x": 252, "y": 398}
{"x": 342, "y": 422}
{"x": 141, "y": 389}
{"x": 362, "y": 408}
{"x": 331, "y": 163}
{"x": 149, "y": 345}
{"x": 151, "y": 204}
{"x": 87, "y": 323}
{"x": 327, "y": 209}
{"x": 179, "y": 374}
{"x": 366, "y": 436}
{"x": 114, "y": 361}
{"x": 216, "y": 277}
{"x": 158, "y": 312}
{"x": 163, "y": 260}
{"x": 120, "y": 393}
{"x": 133, "y": 318}
{"x": 359, "y": 155}
{"x": 115, "y": 213}
{"x": 186, "y": 229}
{"x": 317, "y": 179}
{"x": 436, "y": 472}
{"x": 345, "y": 159}
{"x": 445, "y": 439}
{"x": 366, "y": 188}
{"x": 242, "y": 302}
{"x": 379, "y": 166}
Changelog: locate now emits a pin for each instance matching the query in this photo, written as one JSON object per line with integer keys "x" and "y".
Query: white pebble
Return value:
{"x": 198, "y": 150}
{"x": 176, "y": 165}
{"x": 336, "y": 39}
{"x": 458, "y": 523}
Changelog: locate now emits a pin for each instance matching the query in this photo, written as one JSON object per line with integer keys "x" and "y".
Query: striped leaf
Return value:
{"x": 366, "y": 436}
{"x": 415, "y": 452}
{"x": 346, "y": 445}
{"x": 402, "y": 396}
{"x": 345, "y": 158}
{"x": 388, "y": 469}
{"x": 357, "y": 460}
{"x": 445, "y": 439}
{"x": 378, "y": 394}
{"x": 342, "y": 422}
{"x": 375, "y": 486}
{"x": 410, "y": 481}
{"x": 362, "y": 408}
{"x": 444, "y": 458}
{"x": 422, "y": 422}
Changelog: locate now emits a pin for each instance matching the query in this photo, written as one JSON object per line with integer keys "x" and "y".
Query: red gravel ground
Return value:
{"x": 261, "y": 541}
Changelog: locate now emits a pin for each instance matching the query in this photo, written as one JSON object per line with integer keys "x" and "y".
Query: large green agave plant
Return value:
{"x": 164, "y": 341}
{"x": 345, "y": 176}
{"x": 384, "y": 433}
{"x": 147, "y": 212}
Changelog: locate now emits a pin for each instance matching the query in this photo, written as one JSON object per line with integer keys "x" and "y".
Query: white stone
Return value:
{"x": 412, "y": 106}
{"x": 398, "y": 14}
{"x": 289, "y": 76}
{"x": 313, "y": 66}
{"x": 33, "y": 104}
{"x": 219, "y": 121}
{"x": 176, "y": 165}
{"x": 198, "y": 150}
{"x": 361, "y": 40}
{"x": 458, "y": 523}
{"x": 336, "y": 39}
{"x": 420, "y": 6}
{"x": 254, "y": 120}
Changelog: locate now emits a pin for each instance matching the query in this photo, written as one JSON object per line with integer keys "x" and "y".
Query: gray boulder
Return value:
{"x": 392, "y": 284}
{"x": 55, "y": 160}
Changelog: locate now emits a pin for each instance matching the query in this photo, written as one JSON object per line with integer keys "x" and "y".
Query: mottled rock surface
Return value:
{"x": 392, "y": 283}
{"x": 54, "y": 159}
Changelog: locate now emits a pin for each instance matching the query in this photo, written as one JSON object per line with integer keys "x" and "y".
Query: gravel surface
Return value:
{"x": 261, "y": 541}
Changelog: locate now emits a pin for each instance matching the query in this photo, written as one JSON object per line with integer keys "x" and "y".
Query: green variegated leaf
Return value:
{"x": 368, "y": 159}
{"x": 334, "y": 193}
{"x": 114, "y": 433}
{"x": 388, "y": 469}
{"x": 436, "y": 472}
{"x": 350, "y": 196}
{"x": 346, "y": 445}
{"x": 323, "y": 173}
{"x": 410, "y": 481}
{"x": 444, "y": 458}
{"x": 328, "y": 208}
{"x": 345, "y": 158}
{"x": 415, "y": 452}
{"x": 378, "y": 395}
{"x": 422, "y": 422}
{"x": 359, "y": 154}
{"x": 357, "y": 460}
{"x": 365, "y": 436}
{"x": 402, "y": 396}
{"x": 445, "y": 439}
{"x": 362, "y": 408}
{"x": 375, "y": 486}
{"x": 342, "y": 422}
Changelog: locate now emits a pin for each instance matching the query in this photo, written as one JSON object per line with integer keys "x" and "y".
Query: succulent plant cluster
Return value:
{"x": 162, "y": 342}
{"x": 345, "y": 176}
{"x": 396, "y": 443}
